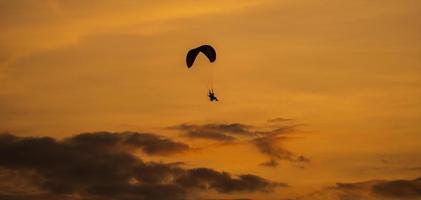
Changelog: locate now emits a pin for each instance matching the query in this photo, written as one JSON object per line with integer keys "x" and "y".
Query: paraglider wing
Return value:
{"x": 191, "y": 56}
{"x": 208, "y": 50}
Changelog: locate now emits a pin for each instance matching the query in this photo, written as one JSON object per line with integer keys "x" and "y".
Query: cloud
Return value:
{"x": 267, "y": 140}
{"x": 370, "y": 190}
{"x": 148, "y": 143}
{"x": 270, "y": 146}
{"x": 269, "y": 143}
{"x": 209, "y": 135}
{"x": 270, "y": 163}
{"x": 398, "y": 188}
{"x": 230, "y": 131}
{"x": 232, "y": 199}
{"x": 279, "y": 120}
{"x": 217, "y": 131}
{"x": 222, "y": 182}
{"x": 34, "y": 197}
{"x": 278, "y": 130}
{"x": 103, "y": 166}
{"x": 389, "y": 189}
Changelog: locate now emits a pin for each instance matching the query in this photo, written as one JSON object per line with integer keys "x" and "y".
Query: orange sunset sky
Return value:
{"x": 319, "y": 99}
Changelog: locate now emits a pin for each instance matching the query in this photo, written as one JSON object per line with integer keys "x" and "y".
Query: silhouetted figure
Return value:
{"x": 212, "y": 96}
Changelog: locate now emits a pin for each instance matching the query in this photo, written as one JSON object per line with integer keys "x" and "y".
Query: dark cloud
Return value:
{"x": 222, "y": 182}
{"x": 279, "y": 120}
{"x": 270, "y": 146}
{"x": 278, "y": 130}
{"x": 103, "y": 166}
{"x": 148, "y": 143}
{"x": 368, "y": 190}
{"x": 218, "y": 132}
{"x": 269, "y": 143}
{"x": 227, "y": 132}
{"x": 211, "y": 135}
{"x": 384, "y": 189}
{"x": 270, "y": 163}
{"x": 398, "y": 188}
{"x": 39, "y": 197}
{"x": 230, "y": 199}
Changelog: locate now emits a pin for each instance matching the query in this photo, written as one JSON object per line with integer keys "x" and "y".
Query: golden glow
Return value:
{"x": 348, "y": 70}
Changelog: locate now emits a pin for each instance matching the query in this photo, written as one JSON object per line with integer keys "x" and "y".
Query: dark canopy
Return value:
{"x": 208, "y": 50}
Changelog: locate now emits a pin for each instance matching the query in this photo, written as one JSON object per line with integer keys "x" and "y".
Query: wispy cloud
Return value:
{"x": 216, "y": 131}
{"x": 270, "y": 144}
{"x": 279, "y": 120}
{"x": 267, "y": 140}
